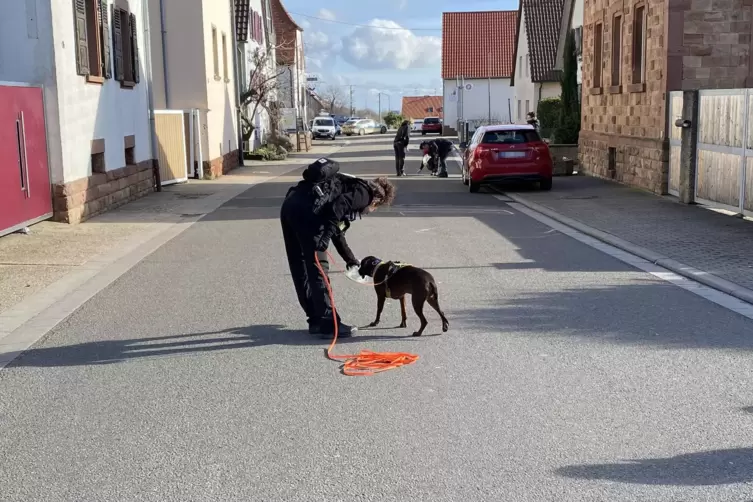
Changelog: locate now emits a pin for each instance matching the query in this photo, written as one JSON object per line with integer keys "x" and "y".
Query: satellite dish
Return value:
{"x": 468, "y": 86}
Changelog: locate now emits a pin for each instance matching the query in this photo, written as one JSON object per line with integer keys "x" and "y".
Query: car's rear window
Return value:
{"x": 431, "y": 121}
{"x": 324, "y": 122}
{"x": 511, "y": 137}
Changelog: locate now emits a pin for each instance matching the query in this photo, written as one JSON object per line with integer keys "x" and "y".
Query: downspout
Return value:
{"x": 149, "y": 90}
{"x": 164, "y": 50}
{"x": 239, "y": 136}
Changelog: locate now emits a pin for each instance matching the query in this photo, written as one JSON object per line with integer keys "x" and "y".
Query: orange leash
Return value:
{"x": 365, "y": 363}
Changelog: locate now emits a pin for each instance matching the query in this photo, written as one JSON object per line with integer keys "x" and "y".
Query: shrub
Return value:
{"x": 548, "y": 112}
{"x": 569, "y": 123}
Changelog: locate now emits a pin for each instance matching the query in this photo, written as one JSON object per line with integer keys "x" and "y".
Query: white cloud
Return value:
{"x": 315, "y": 41}
{"x": 384, "y": 44}
{"x": 304, "y": 24}
{"x": 402, "y": 4}
{"x": 326, "y": 14}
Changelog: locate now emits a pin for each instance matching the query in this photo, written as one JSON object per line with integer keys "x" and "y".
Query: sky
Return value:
{"x": 392, "y": 47}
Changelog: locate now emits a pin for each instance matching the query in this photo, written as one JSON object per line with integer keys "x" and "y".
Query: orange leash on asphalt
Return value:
{"x": 365, "y": 363}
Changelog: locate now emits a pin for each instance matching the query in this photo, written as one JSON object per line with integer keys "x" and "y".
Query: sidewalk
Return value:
{"x": 708, "y": 246}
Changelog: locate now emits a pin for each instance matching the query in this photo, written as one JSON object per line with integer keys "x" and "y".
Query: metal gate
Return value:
{"x": 675, "y": 142}
{"x": 724, "y": 169}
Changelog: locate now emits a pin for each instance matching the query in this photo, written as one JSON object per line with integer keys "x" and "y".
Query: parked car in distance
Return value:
{"x": 360, "y": 127}
{"x": 417, "y": 125}
{"x": 382, "y": 128}
{"x": 324, "y": 127}
{"x": 431, "y": 124}
{"x": 502, "y": 153}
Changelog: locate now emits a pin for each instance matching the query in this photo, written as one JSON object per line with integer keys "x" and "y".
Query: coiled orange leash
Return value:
{"x": 365, "y": 363}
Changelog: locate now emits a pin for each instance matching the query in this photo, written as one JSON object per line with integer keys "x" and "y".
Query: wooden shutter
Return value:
{"x": 135, "y": 50}
{"x": 82, "y": 40}
{"x": 106, "y": 42}
{"x": 117, "y": 44}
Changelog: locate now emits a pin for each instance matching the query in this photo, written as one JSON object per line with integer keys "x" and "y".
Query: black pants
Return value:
{"x": 399, "y": 158}
{"x": 298, "y": 234}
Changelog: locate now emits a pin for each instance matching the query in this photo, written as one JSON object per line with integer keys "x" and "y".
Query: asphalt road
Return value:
{"x": 566, "y": 375}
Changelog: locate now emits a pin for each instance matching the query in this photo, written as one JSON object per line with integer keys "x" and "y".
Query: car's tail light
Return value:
{"x": 481, "y": 152}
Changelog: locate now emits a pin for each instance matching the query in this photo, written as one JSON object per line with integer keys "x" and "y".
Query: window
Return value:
{"x": 616, "y": 50}
{"x": 92, "y": 30}
{"x": 511, "y": 137}
{"x": 120, "y": 51}
{"x": 520, "y": 111}
{"x": 520, "y": 66}
{"x": 639, "y": 45}
{"x": 528, "y": 107}
{"x": 598, "y": 32}
{"x": 528, "y": 68}
{"x": 215, "y": 54}
{"x": 224, "y": 58}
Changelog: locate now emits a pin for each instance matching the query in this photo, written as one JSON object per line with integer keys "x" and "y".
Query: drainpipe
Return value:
{"x": 236, "y": 83}
{"x": 164, "y": 50}
{"x": 149, "y": 91}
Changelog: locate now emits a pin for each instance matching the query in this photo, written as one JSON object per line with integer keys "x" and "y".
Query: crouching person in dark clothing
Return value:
{"x": 319, "y": 209}
{"x": 438, "y": 150}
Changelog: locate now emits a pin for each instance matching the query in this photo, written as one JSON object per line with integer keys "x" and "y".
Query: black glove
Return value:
{"x": 353, "y": 264}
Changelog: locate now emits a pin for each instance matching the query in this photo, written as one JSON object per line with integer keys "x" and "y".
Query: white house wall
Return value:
{"x": 221, "y": 131}
{"x": 525, "y": 95}
{"x": 476, "y": 101}
{"x": 261, "y": 118}
{"x": 93, "y": 111}
{"x": 575, "y": 22}
{"x": 26, "y": 55}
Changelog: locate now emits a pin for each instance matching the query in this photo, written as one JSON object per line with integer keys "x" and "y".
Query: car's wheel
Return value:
{"x": 334, "y": 136}
{"x": 384, "y": 130}
{"x": 361, "y": 132}
{"x": 473, "y": 187}
{"x": 423, "y": 133}
{"x": 546, "y": 184}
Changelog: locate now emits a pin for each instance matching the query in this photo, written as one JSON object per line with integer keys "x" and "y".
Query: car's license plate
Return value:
{"x": 510, "y": 155}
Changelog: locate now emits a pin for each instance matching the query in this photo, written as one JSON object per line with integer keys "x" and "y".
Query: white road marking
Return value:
{"x": 425, "y": 229}
{"x": 724, "y": 300}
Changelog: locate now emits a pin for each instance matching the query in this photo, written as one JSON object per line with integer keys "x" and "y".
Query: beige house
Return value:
{"x": 194, "y": 60}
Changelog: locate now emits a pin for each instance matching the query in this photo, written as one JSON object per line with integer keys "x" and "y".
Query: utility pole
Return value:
{"x": 351, "y": 101}
{"x": 380, "y": 106}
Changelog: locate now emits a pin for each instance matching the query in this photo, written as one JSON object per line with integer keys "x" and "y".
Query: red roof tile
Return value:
{"x": 419, "y": 107}
{"x": 478, "y": 44}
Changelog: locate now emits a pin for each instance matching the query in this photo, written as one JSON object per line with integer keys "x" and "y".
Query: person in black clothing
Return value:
{"x": 400, "y": 144}
{"x": 318, "y": 210}
{"x": 438, "y": 149}
{"x": 532, "y": 120}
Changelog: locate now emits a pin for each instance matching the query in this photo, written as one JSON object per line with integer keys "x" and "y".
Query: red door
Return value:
{"x": 25, "y": 193}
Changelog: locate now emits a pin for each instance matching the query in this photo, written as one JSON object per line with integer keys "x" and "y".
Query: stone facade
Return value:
{"x": 690, "y": 44}
{"x": 84, "y": 198}
{"x": 221, "y": 165}
{"x": 627, "y": 117}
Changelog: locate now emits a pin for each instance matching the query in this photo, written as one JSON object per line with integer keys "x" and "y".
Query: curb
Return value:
{"x": 675, "y": 266}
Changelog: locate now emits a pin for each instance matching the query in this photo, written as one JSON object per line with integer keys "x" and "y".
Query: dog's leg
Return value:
{"x": 403, "y": 313}
{"x": 380, "y": 307}
{"x": 418, "y": 306}
{"x": 434, "y": 302}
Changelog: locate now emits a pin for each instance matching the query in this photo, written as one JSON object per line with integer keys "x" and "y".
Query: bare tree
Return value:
{"x": 263, "y": 80}
{"x": 333, "y": 97}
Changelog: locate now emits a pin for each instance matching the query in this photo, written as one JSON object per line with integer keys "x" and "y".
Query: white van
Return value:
{"x": 324, "y": 127}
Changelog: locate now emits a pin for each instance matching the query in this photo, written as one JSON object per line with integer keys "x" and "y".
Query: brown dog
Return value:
{"x": 395, "y": 280}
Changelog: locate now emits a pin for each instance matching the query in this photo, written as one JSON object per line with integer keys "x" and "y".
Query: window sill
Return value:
{"x": 93, "y": 79}
{"x": 595, "y": 91}
{"x": 615, "y": 89}
{"x": 127, "y": 85}
{"x": 637, "y": 87}
{"x": 217, "y": 78}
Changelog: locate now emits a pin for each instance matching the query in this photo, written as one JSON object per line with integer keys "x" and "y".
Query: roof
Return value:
{"x": 542, "y": 24}
{"x": 285, "y": 13}
{"x": 417, "y": 107}
{"x": 242, "y": 8}
{"x": 565, "y": 23}
{"x": 468, "y": 51}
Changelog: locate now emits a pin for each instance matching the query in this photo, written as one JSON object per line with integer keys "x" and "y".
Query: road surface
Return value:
{"x": 567, "y": 375}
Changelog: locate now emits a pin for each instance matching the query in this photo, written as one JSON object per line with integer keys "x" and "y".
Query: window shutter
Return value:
{"x": 135, "y": 50}
{"x": 82, "y": 41}
{"x": 104, "y": 18}
{"x": 117, "y": 44}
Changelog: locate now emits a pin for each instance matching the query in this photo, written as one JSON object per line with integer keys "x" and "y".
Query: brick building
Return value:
{"x": 634, "y": 53}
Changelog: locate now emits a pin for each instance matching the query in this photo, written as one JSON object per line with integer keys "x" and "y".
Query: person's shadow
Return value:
{"x": 716, "y": 467}
{"x": 116, "y": 351}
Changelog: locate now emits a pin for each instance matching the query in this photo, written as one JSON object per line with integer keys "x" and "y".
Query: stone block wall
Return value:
{"x": 84, "y": 198}
{"x": 630, "y": 116}
{"x": 221, "y": 165}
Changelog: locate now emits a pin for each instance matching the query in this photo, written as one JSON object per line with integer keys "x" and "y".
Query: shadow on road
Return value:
{"x": 117, "y": 351}
{"x": 608, "y": 314}
{"x": 707, "y": 468}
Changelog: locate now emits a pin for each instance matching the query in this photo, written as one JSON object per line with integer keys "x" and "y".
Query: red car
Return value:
{"x": 431, "y": 124}
{"x": 506, "y": 153}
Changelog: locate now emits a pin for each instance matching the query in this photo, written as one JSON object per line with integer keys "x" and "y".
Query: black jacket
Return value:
{"x": 441, "y": 147}
{"x": 355, "y": 196}
{"x": 403, "y": 135}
